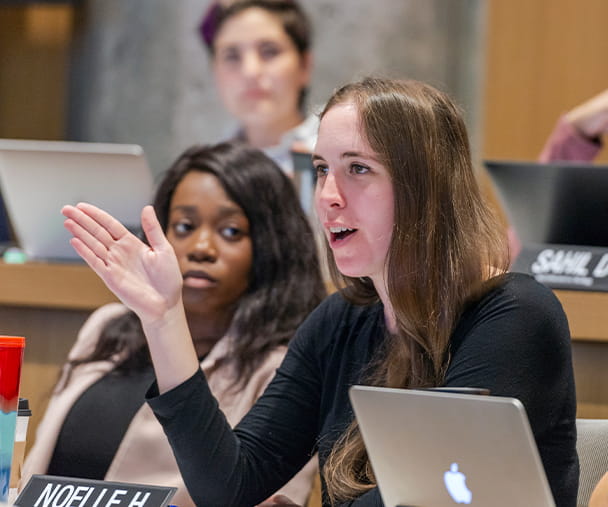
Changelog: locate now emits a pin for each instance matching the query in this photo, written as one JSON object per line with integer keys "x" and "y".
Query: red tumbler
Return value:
{"x": 11, "y": 357}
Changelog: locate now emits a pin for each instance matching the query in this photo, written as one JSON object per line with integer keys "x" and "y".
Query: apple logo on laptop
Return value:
{"x": 455, "y": 484}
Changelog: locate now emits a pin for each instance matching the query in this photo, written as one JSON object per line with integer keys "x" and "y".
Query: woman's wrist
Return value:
{"x": 171, "y": 348}
{"x": 171, "y": 316}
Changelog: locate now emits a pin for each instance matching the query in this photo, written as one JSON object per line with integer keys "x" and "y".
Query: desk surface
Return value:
{"x": 587, "y": 314}
{"x": 37, "y": 284}
{"x": 48, "y": 303}
{"x": 76, "y": 286}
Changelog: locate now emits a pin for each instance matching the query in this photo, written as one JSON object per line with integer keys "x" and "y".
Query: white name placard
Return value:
{"x": 565, "y": 266}
{"x": 52, "y": 491}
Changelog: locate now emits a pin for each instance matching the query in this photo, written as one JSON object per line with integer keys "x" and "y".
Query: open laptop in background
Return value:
{"x": 555, "y": 203}
{"x": 440, "y": 449}
{"x": 37, "y": 178}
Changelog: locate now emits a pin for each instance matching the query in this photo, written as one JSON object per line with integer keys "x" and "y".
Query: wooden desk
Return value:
{"x": 588, "y": 318}
{"x": 46, "y": 303}
{"x": 43, "y": 285}
{"x": 587, "y": 314}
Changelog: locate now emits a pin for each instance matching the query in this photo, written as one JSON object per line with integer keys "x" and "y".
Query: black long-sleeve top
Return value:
{"x": 514, "y": 341}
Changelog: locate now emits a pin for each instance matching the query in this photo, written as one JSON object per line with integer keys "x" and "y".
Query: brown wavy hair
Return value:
{"x": 446, "y": 245}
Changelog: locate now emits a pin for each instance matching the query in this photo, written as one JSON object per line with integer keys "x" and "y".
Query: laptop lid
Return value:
{"x": 441, "y": 449}
{"x": 557, "y": 203}
{"x": 37, "y": 178}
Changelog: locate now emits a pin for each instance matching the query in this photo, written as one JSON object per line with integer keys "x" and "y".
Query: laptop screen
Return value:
{"x": 6, "y": 235}
{"x": 557, "y": 203}
{"x": 37, "y": 178}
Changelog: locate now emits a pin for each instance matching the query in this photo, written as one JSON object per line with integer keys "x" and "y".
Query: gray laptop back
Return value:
{"x": 557, "y": 203}
{"x": 38, "y": 177}
{"x": 438, "y": 449}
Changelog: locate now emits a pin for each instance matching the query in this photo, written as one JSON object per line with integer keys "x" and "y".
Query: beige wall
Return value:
{"x": 542, "y": 58}
{"x": 33, "y": 70}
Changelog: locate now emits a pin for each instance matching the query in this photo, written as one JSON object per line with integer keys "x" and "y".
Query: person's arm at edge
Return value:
{"x": 566, "y": 144}
{"x": 577, "y": 135}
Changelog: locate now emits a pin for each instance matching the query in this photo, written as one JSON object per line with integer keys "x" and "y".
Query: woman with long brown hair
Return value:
{"x": 425, "y": 301}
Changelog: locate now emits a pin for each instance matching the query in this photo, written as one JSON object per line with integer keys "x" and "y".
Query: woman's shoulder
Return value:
{"x": 516, "y": 307}
{"x": 272, "y": 361}
{"x": 523, "y": 289}
{"x": 517, "y": 322}
{"x": 89, "y": 333}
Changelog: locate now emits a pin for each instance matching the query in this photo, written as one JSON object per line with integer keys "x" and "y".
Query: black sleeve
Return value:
{"x": 222, "y": 467}
{"x": 370, "y": 499}
{"x": 516, "y": 342}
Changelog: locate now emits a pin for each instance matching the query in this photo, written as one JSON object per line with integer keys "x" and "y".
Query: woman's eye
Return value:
{"x": 268, "y": 51}
{"x": 321, "y": 170}
{"x": 230, "y": 56}
{"x": 358, "y": 169}
{"x": 181, "y": 228}
{"x": 232, "y": 233}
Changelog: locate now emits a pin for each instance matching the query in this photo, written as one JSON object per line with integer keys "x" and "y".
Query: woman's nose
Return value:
{"x": 329, "y": 193}
{"x": 203, "y": 248}
{"x": 251, "y": 65}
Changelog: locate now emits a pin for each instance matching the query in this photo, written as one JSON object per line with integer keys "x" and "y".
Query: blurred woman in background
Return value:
{"x": 260, "y": 52}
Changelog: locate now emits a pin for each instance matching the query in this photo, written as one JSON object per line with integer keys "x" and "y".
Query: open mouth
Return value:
{"x": 340, "y": 233}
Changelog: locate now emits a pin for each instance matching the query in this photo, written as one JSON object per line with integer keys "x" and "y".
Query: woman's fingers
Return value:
{"x": 107, "y": 222}
{"x": 94, "y": 262}
{"x": 94, "y": 228}
{"x": 85, "y": 240}
{"x": 152, "y": 229}
{"x": 145, "y": 278}
{"x": 87, "y": 230}
{"x": 96, "y": 222}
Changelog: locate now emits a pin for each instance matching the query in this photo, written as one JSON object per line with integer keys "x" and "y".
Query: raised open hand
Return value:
{"x": 145, "y": 278}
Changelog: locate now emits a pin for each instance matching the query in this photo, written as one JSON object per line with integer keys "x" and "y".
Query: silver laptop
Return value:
{"x": 440, "y": 449}
{"x": 38, "y": 177}
{"x": 558, "y": 203}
